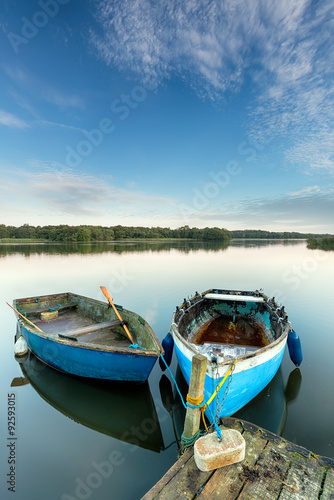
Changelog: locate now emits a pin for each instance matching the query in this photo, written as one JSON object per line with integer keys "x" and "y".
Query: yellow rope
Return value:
{"x": 202, "y": 407}
{"x": 199, "y": 401}
{"x": 195, "y": 401}
{"x": 222, "y": 382}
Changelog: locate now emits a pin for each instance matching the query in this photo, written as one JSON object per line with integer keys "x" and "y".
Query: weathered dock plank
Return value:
{"x": 227, "y": 481}
{"x": 272, "y": 469}
{"x": 328, "y": 488}
{"x": 170, "y": 474}
{"x": 304, "y": 478}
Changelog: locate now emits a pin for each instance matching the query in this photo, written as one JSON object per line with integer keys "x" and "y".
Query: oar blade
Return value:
{"x": 18, "y": 381}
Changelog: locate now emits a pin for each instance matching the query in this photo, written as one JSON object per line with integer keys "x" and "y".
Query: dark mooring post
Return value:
{"x": 196, "y": 387}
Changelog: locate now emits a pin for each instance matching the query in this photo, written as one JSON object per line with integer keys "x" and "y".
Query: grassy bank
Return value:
{"x": 321, "y": 243}
{"x": 21, "y": 240}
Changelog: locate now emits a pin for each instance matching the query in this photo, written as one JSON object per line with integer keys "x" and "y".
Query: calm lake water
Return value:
{"x": 78, "y": 439}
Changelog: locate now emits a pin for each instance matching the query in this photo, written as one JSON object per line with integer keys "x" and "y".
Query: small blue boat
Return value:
{"x": 85, "y": 337}
{"x": 242, "y": 334}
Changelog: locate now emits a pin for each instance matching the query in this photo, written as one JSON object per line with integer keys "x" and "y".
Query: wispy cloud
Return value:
{"x": 313, "y": 152}
{"x": 155, "y": 40}
{"x": 309, "y": 207}
{"x": 297, "y": 90}
{"x": 48, "y": 123}
{"x": 12, "y": 121}
{"x": 283, "y": 49}
{"x": 217, "y": 41}
{"x": 57, "y": 189}
{"x": 309, "y": 210}
{"x": 306, "y": 191}
{"x": 38, "y": 89}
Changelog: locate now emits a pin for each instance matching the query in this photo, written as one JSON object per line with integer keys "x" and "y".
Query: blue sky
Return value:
{"x": 167, "y": 113}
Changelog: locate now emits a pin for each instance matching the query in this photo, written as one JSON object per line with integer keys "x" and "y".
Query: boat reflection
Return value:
{"x": 124, "y": 411}
{"x": 172, "y": 402}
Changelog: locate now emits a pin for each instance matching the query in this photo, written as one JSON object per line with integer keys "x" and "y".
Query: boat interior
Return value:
{"x": 76, "y": 319}
{"x": 206, "y": 322}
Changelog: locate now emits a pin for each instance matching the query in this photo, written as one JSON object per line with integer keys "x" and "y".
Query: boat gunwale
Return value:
{"x": 87, "y": 345}
{"x": 243, "y": 357}
{"x": 285, "y": 325}
{"x": 93, "y": 347}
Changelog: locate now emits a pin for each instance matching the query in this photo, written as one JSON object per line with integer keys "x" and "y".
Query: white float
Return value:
{"x": 21, "y": 347}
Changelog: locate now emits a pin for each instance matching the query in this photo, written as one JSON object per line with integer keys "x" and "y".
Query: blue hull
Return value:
{"x": 90, "y": 363}
{"x": 245, "y": 385}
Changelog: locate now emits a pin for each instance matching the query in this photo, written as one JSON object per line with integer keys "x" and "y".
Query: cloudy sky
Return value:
{"x": 174, "y": 112}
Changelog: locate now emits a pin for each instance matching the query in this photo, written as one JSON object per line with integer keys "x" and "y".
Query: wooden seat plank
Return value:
{"x": 85, "y": 330}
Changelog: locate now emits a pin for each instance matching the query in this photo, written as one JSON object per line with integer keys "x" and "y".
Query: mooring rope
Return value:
{"x": 56, "y": 309}
{"x": 219, "y": 386}
{"x": 136, "y": 346}
{"x": 199, "y": 403}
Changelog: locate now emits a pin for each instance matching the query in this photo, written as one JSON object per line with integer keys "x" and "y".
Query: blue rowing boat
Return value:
{"x": 242, "y": 334}
{"x": 85, "y": 337}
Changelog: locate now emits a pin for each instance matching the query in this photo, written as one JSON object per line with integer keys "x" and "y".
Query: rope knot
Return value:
{"x": 195, "y": 402}
{"x": 198, "y": 403}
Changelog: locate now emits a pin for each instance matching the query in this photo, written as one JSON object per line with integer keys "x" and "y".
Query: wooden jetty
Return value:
{"x": 273, "y": 469}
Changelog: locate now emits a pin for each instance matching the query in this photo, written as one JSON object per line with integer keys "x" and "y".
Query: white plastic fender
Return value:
{"x": 21, "y": 347}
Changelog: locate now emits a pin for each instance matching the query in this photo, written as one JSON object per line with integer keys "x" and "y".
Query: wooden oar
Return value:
{"x": 107, "y": 295}
{"x": 18, "y": 381}
{"x": 27, "y": 320}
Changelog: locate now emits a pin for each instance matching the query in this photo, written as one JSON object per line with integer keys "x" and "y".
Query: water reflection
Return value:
{"x": 117, "y": 247}
{"x": 172, "y": 402}
{"x": 124, "y": 411}
{"x": 251, "y": 243}
{"x": 269, "y": 409}
{"x": 120, "y": 247}
{"x": 293, "y": 385}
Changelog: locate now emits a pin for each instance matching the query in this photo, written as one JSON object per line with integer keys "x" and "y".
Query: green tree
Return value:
{"x": 83, "y": 234}
{"x": 3, "y": 231}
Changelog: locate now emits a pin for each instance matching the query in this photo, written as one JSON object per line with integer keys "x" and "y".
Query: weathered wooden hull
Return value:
{"x": 253, "y": 370}
{"x": 103, "y": 354}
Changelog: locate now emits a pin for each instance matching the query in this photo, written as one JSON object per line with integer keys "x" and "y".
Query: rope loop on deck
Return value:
{"x": 136, "y": 346}
{"x": 59, "y": 306}
{"x": 188, "y": 442}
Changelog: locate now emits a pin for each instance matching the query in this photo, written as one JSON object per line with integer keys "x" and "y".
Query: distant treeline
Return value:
{"x": 259, "y": 233}
{"x": 321, "y": 243}
{"x": 100, "y": 233}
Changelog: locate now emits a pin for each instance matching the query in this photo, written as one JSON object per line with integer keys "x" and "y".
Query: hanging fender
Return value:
{"x": 167, "y": 344}
{"x": 295, "y": 348}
